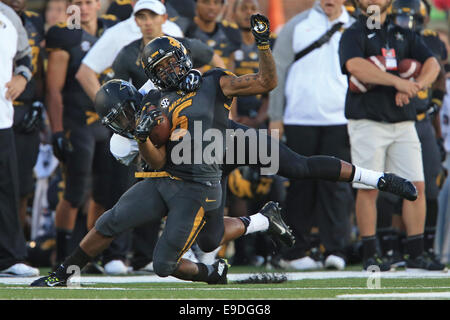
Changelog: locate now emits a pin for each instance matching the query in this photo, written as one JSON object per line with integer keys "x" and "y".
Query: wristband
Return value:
{"x": 264, "y": 47}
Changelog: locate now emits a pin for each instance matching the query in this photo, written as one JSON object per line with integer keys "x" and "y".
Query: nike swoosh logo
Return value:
{"x": 370, "y": 36}
{"x": 208, "y": 200}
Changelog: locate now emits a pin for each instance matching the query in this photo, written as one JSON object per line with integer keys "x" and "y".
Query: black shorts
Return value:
{"x": 90, "y": 161}
{"x": 186, "y": 205}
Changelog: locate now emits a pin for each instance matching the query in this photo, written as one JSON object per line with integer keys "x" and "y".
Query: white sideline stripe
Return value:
{"x": 242, "y": 276}
{"x": 412, "y": 295}
{"x": 234, "y": 288}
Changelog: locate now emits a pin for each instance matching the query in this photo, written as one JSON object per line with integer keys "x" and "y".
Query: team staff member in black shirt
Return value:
{"x": 413, "y": 14}
{"x": 381, "y": 122}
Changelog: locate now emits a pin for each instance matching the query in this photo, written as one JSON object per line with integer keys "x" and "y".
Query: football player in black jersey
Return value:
{"x": 127, "y": 66}
{"x": 28, "y": 107}
{"x": 184, "y": 192}
{"x": 223, "y": 36}
{"x": 79, "y": 140}
{"x": 187, "y": 193}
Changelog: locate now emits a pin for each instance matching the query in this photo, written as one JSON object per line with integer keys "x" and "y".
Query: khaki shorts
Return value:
{"x": 386, "y": 147}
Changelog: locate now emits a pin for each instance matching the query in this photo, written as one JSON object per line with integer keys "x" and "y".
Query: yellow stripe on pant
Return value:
{"x": 199, "y": 222}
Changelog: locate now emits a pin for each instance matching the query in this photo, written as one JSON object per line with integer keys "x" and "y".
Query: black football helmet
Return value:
{"x": 406, "y": 13}
{"x": 117, "y": 103}
{"x": 162, "y": 48}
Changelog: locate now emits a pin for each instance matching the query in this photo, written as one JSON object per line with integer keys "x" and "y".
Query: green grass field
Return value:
{"x": 349, "y": 284}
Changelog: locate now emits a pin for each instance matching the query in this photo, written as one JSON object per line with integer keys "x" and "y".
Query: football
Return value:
{"x": 409, "y": 69}
{"x": 358, "y": 86}
{"x": 161, "y": 132}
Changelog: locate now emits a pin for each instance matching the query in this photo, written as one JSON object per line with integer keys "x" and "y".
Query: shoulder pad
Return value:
{"x": 228, "y": 24}
{"x": 108, "y": 20}
{"x": 123, "y": 2}
{"x": 350, "y": 9}
{"x": 30, "y": 14}
{"x": 429, "y": 33}
{"x": 60, "y": 25}
{"x": 109, "y": 17}
{"x": 233, "y": 34}
{"x": 36, "y": 19}
{"x": 61, "y": 37}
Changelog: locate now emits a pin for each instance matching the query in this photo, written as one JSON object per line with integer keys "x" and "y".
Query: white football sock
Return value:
{"x": 258, "y": 222}
{"x": 367, "y": 177}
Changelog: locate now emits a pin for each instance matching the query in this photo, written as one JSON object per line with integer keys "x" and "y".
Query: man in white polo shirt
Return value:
{"x": 102, "y": 54}
{"x": 309, "y": 105}
{"x": 12, "y": 241}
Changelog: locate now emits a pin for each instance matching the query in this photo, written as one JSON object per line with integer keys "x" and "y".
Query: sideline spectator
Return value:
{"x": 223, "y": 36}
{"x": 28, "y": 109}
{"x": 101, "y": 56}
{"x": 14, "y": 50}
{"x": 382, "y": 125}
{"x": 308, "y": 105}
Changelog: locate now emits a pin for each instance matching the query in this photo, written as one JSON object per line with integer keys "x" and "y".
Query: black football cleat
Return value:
{"x": 394, "y": 184}
{"x": 424, "y": 263}
{"x": 376, "y": 263}
{"x": 277, "y": 227}
{"x": 49, "y": 281}
{"x": 219, "y": 275}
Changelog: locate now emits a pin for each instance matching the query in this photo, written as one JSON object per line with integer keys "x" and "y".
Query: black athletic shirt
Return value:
{"x": 127, "y": 64}
{"x": 78, "y": 107}
{"x": 122, "y": 9}
{"x": 208, "y": 108}
{"x": 225, "y": 39}
{"x": 378, "y": 104}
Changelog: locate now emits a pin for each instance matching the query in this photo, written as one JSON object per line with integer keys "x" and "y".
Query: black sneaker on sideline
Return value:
{"x": 219, "y": 275}
{"x": 394, "y": 184}
{"x": 424, "y": 263}
{"x": 395, "y": 259}
{"x": 277, "y": 227}
{"x": 376, "y": 261}
{"x": 49, "y": 281}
